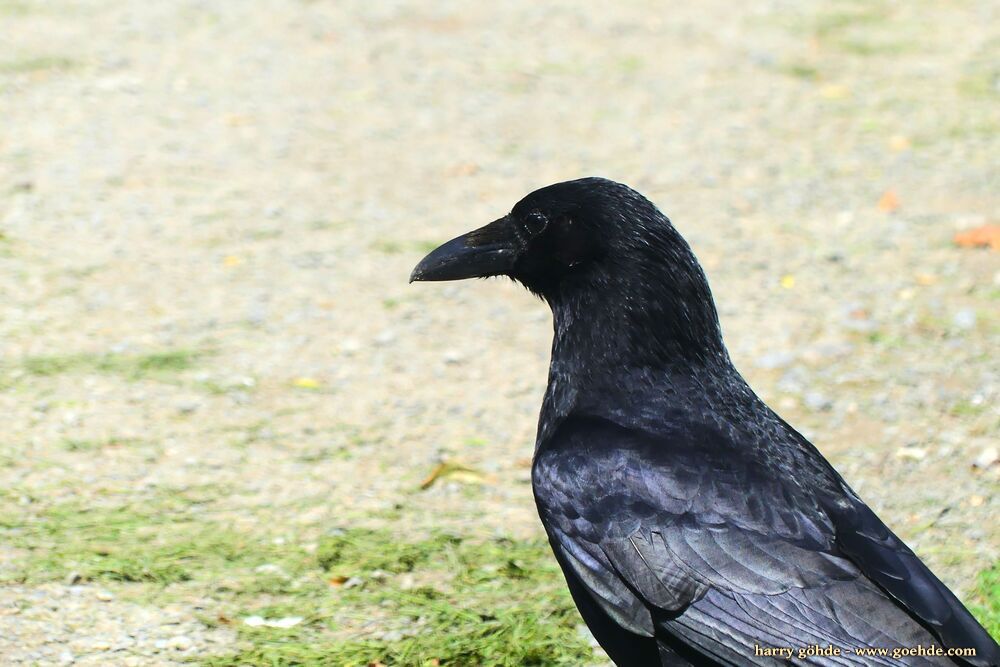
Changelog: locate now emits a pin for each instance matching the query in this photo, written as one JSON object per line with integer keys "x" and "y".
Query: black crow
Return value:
{"x": 694, "y": 526}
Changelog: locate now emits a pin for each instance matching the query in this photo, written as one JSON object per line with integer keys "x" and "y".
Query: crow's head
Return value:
{"x": 592, "y": 246}
{"x": 553, "y": 233}
{"x": 587, "y": 232}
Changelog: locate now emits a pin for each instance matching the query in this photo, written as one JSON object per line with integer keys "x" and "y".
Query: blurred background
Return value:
{"x": 234, "y": 434}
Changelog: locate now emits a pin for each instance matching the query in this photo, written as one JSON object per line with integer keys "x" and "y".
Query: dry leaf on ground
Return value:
{"x": 889, "y": 201}
{"x": 984, "y": 236}
{"x": 458, "y": 472}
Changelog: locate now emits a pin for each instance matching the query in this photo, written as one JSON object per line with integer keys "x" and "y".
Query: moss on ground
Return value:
{"x": 986, "y": 600}
{"x": 130, "y": 366}
{"x": 162, "y": 540}
{"x": 36, "y": 64}
{"x": 441, "y": 600}
{"x": 364, "y": 595}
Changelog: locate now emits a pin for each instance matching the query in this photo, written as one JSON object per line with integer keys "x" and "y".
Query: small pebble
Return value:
{"x": 385, "y": 338}
{"x": 987, "y": 457}
{"x": 964, "y": 319}
{"x": 911, "y": 453}
{"x": 349, "y": 346}
{"x": 180, "y": 643}
{"x": 774, "y": 360}
{"x": 817, "y": 401}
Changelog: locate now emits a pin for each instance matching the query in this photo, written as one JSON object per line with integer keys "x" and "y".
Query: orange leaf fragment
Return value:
{"x": 899, "y": 143}
{"x": 984, "y": 236}
{"x": 889, "y": 201}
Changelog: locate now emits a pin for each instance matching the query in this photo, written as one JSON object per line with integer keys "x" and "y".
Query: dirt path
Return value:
{"x": 208, "y": 212}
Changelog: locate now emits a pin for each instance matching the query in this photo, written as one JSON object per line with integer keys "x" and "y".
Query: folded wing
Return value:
{"x": 685, "y": 539}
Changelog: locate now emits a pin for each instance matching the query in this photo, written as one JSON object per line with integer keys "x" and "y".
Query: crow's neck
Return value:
{"x": 659, "y": 322}
{"x": 614, "y": 349}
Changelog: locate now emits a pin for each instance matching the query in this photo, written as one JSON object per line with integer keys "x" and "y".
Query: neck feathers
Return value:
{"x": 649, "y": 307}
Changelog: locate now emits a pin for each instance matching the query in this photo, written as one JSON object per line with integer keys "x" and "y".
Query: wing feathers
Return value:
{"x": 701, "y": 545}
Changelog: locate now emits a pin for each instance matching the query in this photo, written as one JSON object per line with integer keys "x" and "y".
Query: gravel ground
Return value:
{"x": 247, "y": 185}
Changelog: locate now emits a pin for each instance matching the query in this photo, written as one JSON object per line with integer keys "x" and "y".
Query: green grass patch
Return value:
{"x": 965, "y": 408}
{"x": 389, "y": 247}
{"x": 971, "y": 128}
{"x": 322, "y": 225}
{"x": 872, "y": 45}
{"x": 6, "y": 242}
{"x": 14, "y": 8}
{"x": 37, "y": 64}
{"x": 630, "y": 64}
{"x": 859, "y": 28}
{"x": 846, "y": 16}
{"x": 980, "y": 83}
{"x": 215, "y": 387}
{"x": 986, "y": 600}
{"x": 96, "y": 445}
{"x": 492, "y": 602}
{"x": 800, "y": 70}
{"x": 361, "y": 551}
{"x": 264, "y": 234}
{"x": 981, "y": 74}
{"x": 363, "y": 595}
{"x": 130, "y": 366}
{"x": 160, "y": 541}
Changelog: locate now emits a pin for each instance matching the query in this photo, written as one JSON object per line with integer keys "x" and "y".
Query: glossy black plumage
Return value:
{"x": 692, "y": 523}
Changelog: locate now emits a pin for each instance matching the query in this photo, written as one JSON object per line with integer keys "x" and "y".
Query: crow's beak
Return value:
{"x": 487, "y": 251}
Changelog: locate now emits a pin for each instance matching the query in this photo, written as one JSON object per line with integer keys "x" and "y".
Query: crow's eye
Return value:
{"x": 535, "y": 223}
